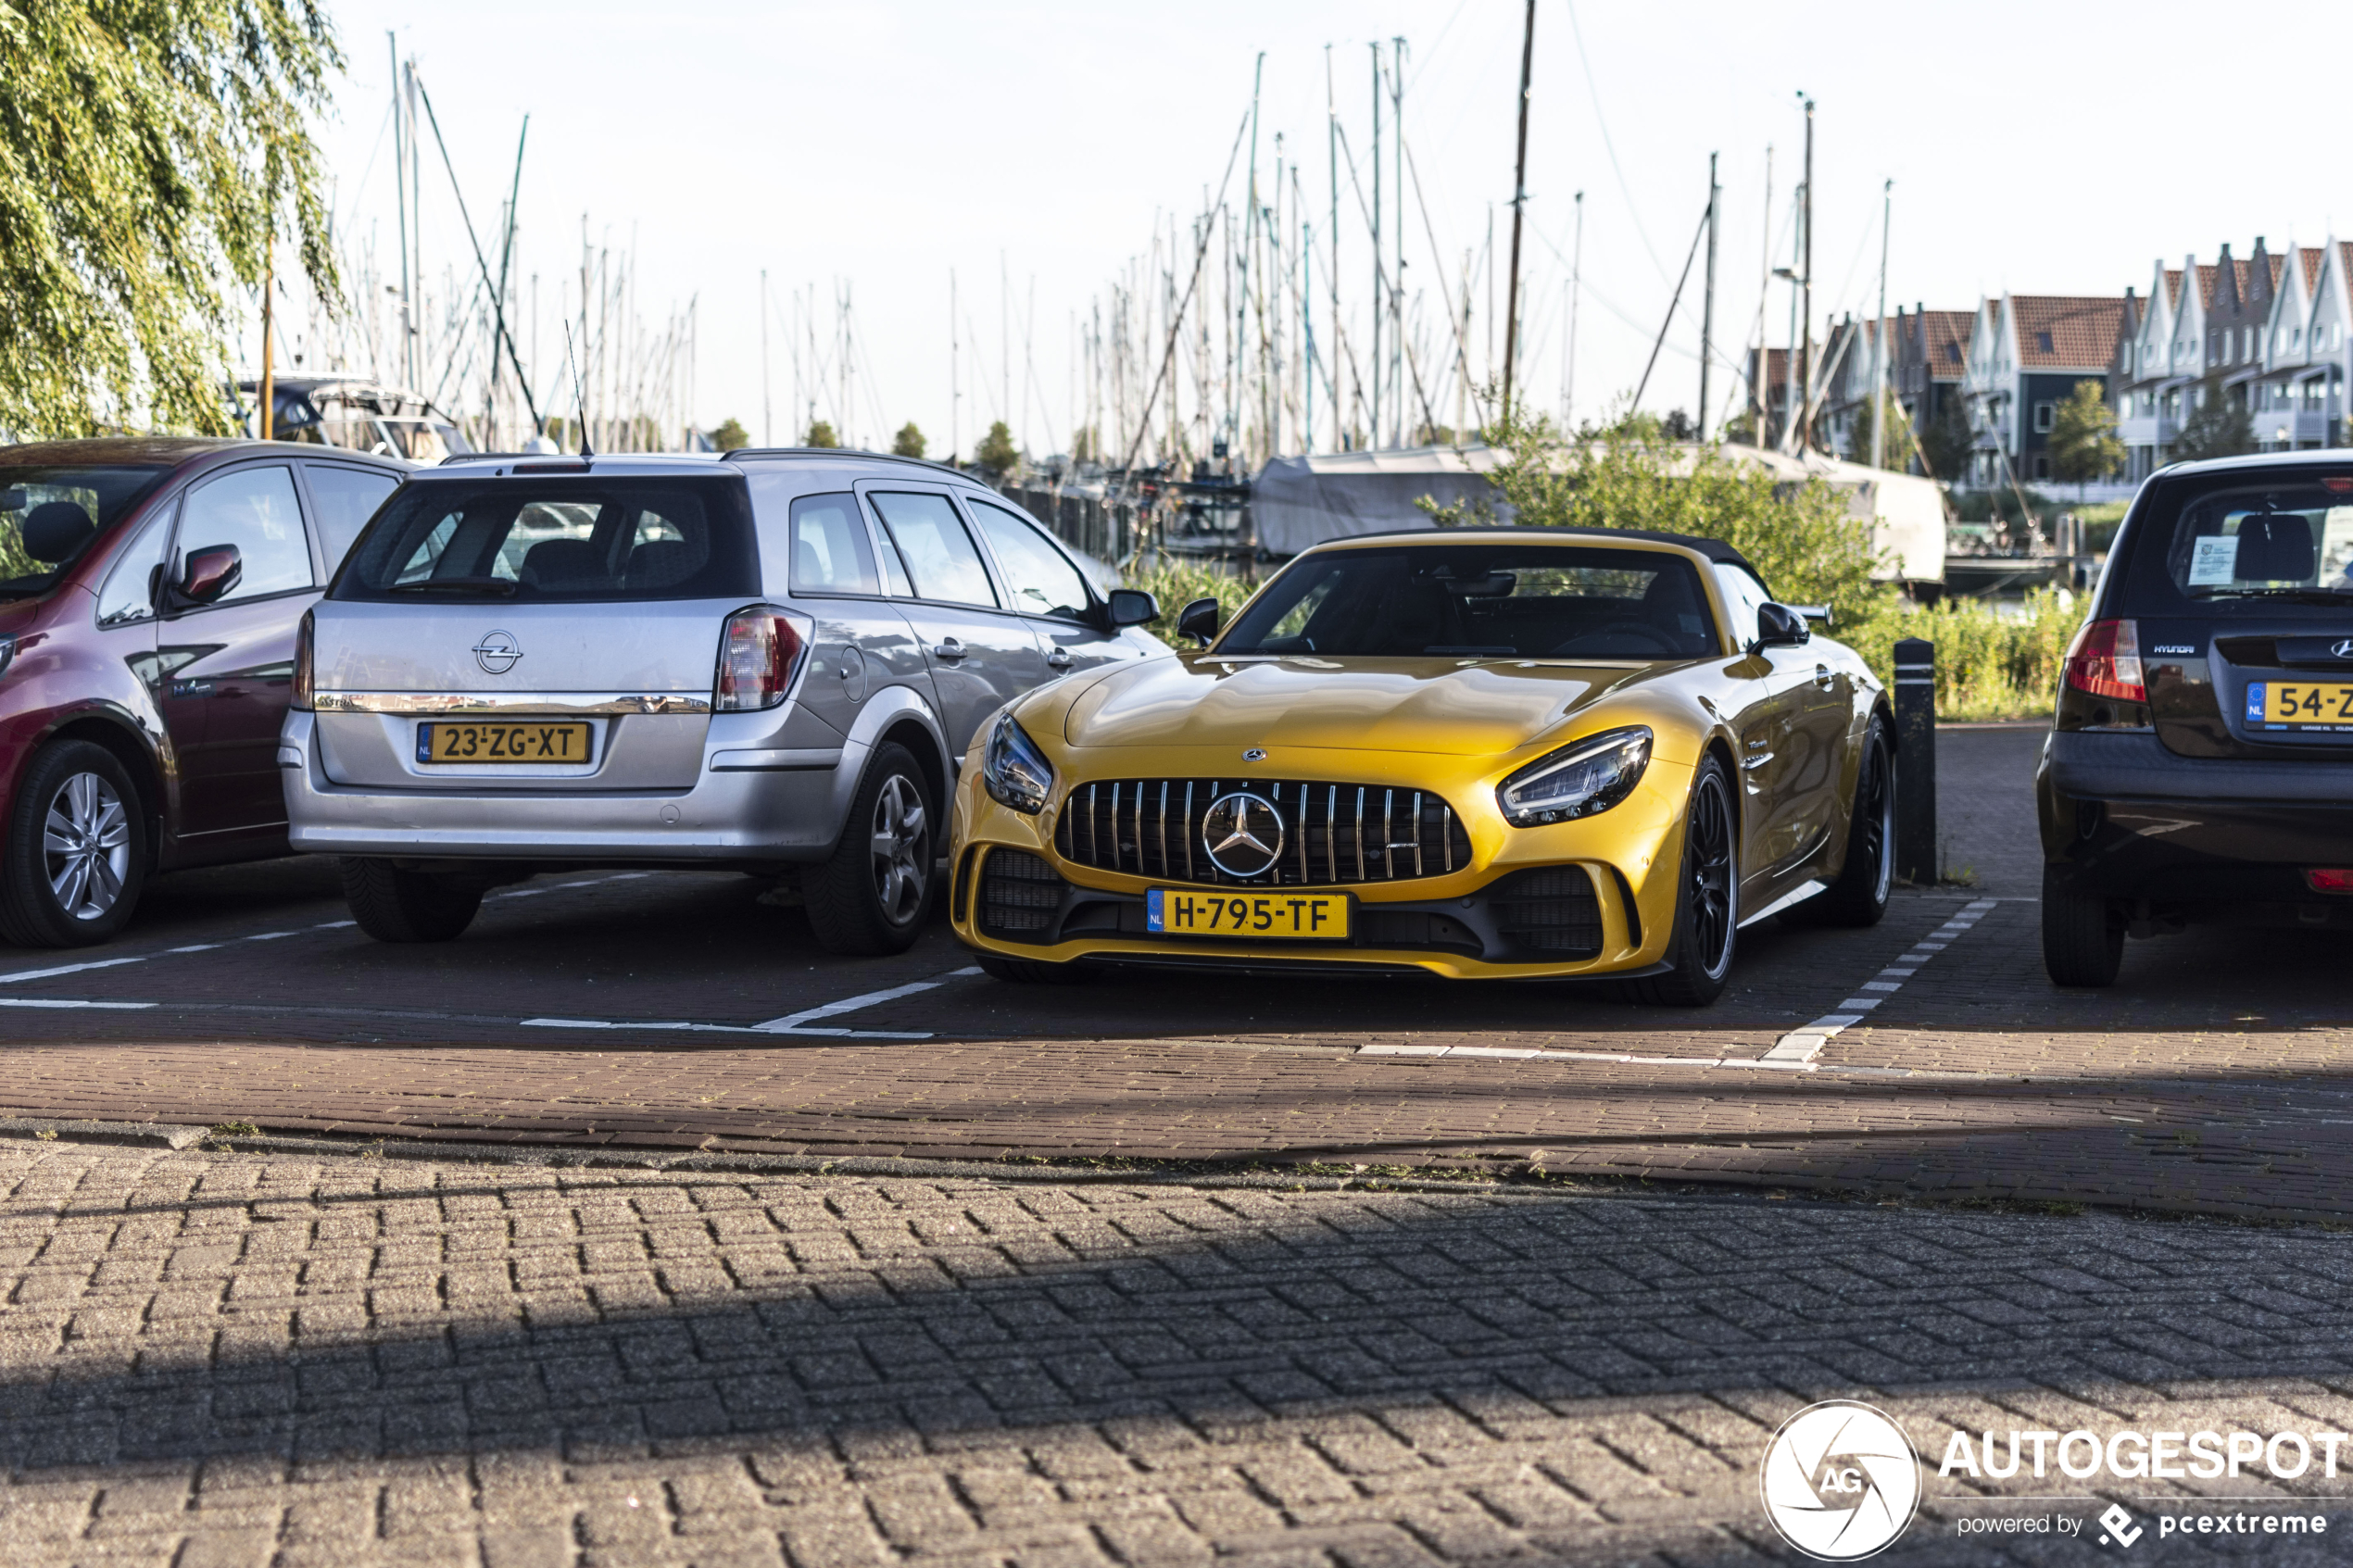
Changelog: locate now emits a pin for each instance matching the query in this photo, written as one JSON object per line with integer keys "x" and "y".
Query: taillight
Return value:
{"x": 305, "y": 660}
{"x": 2105, "y": 660}
{"x": 2332, "y": 880}
{"x": 759, "y": 654}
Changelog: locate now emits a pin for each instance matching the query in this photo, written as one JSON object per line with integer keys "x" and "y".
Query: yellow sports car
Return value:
{"x": 1489, "y": 753}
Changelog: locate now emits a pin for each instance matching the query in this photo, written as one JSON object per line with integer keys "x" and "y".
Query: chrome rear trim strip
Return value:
{"x": 442, "y": 704}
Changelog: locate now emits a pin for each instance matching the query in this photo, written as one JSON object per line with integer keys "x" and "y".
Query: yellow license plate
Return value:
{"x": 2300, "y": 705}
{"x": 1286, "y": 917}
{"x": 503, "y": 740}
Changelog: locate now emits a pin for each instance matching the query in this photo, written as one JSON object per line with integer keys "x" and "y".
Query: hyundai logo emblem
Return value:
{"x": 2344, "y": 649}
{"x": 1243, "y": 835}
{"x": 496, "y": 652}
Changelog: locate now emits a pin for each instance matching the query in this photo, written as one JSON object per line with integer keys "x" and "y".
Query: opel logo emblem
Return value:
{"x": 1243, "y": 835}
{"x": 496, "y": 652}
{"x": 2344, "y": 649}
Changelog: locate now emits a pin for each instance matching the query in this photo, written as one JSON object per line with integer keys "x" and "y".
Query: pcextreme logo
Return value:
{"x": 1840, "y": 1480}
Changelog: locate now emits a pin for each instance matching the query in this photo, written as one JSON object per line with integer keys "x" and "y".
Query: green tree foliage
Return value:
{"x": 996, "y": 452}
{"x": 1898, "y": 449}
{"x": 730, "y": 434}
{"x": 1946, "y": 442}
{"x": 1086, "y": 448}
{"x": 821, "y": 434}
{"x": 2084, "y": 443}
{"x": 1802, "y": 539}
{"x": 148, "y": 154}
{"x": 2216, "y": 428}
{"x": 908, "y": 443}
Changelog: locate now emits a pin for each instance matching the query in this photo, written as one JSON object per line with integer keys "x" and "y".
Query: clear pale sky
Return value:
{"x": 2041, "y": 147}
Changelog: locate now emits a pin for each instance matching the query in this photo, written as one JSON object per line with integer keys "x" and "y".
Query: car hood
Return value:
{"x": 1445, "y": 706}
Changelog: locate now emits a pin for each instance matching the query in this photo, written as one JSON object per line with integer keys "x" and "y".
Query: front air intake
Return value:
{"x": 1020, "y": 896}
{"x": 1549, "y": 911}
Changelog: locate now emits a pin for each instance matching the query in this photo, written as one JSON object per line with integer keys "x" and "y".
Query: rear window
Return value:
{"x": 559, "y": 541}
{"x": 49, "y": 516}
{"x": 2245, "y": 540}
{"x": 1481, "y": 601}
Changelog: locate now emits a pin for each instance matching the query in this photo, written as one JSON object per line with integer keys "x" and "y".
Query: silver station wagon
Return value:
{"x": 772, "y": 661}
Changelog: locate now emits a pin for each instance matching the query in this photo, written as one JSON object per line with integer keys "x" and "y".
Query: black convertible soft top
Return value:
{"x": 1714, "y": 549}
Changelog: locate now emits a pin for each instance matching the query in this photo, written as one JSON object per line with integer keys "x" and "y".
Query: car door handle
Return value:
{"x": 1822, "y": 676}
{"x": 949, "y": 649}
{"x": 1060, "y": 658}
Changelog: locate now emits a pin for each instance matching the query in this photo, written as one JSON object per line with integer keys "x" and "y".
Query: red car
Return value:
{"x": 149, "y": 594}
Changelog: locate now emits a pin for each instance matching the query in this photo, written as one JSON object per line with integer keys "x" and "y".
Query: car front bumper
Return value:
{"x": 2123, "y": 818}
{"x": 789, "y": 809}
{"x": 1446, "y": 925}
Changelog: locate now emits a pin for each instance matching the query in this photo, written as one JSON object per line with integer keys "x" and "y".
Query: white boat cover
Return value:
{"x": 1296, "y": 502}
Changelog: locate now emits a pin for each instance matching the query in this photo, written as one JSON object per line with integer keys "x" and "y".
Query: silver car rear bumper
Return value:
{"x": 745, "y": 805}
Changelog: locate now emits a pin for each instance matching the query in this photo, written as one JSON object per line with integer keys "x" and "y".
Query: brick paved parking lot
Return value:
{"x": 342, "y": 1335}
{"x": 254, "y": 1359}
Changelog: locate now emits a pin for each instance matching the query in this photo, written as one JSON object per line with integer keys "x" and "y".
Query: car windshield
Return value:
{"x": 2289, "y": 540}
{"x": 49, "y": 516}
{"x": 1480, "y": 601}
{"x": 564, "y": 541}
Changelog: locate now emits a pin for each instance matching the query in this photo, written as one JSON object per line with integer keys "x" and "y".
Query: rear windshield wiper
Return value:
{"x": 503, "y": 586}
{"x": 2332, "y": 597}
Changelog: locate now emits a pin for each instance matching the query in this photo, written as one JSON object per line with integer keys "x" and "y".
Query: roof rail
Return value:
{"x": 838, "y": 452}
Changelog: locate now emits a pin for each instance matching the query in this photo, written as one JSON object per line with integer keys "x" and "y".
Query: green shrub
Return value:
{"x": 1176, "y": 582}
{"x": 1991, "y": 662}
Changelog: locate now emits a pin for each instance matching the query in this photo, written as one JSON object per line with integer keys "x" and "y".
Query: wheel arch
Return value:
{"x": 117, "y": 735}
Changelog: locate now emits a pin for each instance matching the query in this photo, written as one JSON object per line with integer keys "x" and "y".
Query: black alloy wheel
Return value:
{"x": 1859, "y": 896}
{"x": 77, "y": 850}
{"x": 870, "y": 898}
{"x": 1707, "y": 905}
{"x": 2083, "y": 939}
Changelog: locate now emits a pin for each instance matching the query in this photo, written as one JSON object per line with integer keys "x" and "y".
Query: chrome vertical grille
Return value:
{"x": 1333, "y": 834}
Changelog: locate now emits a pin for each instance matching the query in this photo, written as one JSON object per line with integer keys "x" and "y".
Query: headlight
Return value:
{"x": 1013, "y": 770}
{"x": 1577, "y": 781}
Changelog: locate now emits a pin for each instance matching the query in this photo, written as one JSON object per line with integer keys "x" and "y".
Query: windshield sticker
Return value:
{"x": 2214, "y": 561}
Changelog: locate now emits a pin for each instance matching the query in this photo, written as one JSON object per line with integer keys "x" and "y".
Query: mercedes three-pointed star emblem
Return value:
{"x": 1243, "y": 833}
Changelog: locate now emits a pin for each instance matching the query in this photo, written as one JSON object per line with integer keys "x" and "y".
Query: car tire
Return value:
{"x": 1859, "y": 896}
{"x": 392, "y": 905}
{"x": 1030, "y": 972}
{"x": 2082, "y": 940}
{"x": 1708, "y": 892}
{"x": 870, "y": 899}
{"x": 77, "y": 850}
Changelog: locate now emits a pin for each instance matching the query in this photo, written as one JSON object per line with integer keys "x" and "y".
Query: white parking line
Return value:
{"x": 1801, "y": 1046}
{"x": 800, "y": 1022}
{"x": 55, "y": 971}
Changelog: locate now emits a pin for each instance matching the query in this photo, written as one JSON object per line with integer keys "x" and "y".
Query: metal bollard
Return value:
{"x": 1916, "y": 760}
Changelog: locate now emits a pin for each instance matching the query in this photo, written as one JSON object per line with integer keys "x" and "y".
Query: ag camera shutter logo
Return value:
{"x": 1841, "y": 1481}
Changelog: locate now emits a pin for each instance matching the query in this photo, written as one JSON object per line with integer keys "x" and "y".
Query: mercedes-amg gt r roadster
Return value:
{"x": 1478, "y": 753}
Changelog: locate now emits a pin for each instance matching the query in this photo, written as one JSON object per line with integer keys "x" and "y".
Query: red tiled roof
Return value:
{"x": 2309, "y": 258}
{"x": 2084, "y": 329}
{"x": 2173, "y": 286}
{"x": 1940, "y": 328}
{"x": 2278, "y": 262}
{"x": 2206, "y": 276}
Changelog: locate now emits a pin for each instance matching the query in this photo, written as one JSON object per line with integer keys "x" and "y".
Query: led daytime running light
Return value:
{"x": 1577, "y": 781}
{"x": 1013, "y": 770}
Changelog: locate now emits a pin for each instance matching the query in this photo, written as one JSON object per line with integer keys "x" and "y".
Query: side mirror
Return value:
{"x": 210, "y": 574}
{"x": 1198, "y": 622}
{"x": 1778, "y": 626}
{"x": 1133, "y": 606}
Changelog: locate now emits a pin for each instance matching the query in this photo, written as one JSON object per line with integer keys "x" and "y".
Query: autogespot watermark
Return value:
{"x": 1842, "y": 1481}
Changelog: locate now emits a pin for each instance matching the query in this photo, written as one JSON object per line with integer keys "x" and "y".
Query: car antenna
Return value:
{"x": 580, "y": 391}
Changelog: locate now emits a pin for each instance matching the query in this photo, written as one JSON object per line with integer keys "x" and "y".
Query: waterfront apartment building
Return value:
{"x": 2267, "y": 332}
{"x": 2026, "y": 353}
